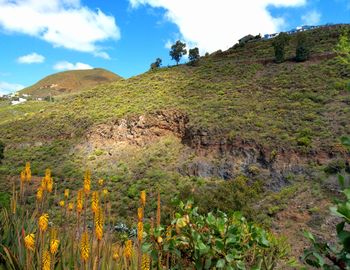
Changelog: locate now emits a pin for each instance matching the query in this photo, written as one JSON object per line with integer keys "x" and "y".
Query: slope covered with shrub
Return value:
{"x": 233, "y": 103}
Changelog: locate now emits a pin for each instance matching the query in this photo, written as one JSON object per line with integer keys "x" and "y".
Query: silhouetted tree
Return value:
{"x": 302, "y": 52}
{"x": 177, "y": 51}
{"x": 156, "y": 64}
{"x": 193, "y": 55}
{"x": 279, "y": 44}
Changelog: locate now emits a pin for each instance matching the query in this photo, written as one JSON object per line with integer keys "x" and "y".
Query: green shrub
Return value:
{"x": 209, "y": 241}
{"x": 279, "y": 44}
{"x": 303, "y": 48}
{"x": 224, "y": 195}
{"x": 335, "y": 166}
{"x": 326, "y": 255}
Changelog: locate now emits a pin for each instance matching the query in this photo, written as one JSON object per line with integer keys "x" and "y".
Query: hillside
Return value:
{"x": 71, "y": 81}
{"x": 271, "y": 130}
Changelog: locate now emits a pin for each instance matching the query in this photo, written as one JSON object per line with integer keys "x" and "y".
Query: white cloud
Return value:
{"x": 63, "y": 23}
{"x": 103, "y": 55}
{"x": 65, "y": 65}
{"x": 213, "y": 25}
{"x": 6, "y": 88}
{"x": 311, "y": 18}
{"x": 31, "y": 58}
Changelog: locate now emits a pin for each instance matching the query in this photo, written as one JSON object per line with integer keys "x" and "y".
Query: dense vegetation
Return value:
{"x": 237, "y": 96}
{"x": 80, "y": 234}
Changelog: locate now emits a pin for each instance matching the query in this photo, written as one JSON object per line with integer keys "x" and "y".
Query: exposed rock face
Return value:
{"x": 213, "y": 154}
{"x": 140, "y": 130}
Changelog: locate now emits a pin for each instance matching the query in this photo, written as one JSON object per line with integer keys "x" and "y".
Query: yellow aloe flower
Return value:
{"x": 61, "y": 203}
{"x": 39, "y": 194}
{"x": 139, "y": 230}
{"x": 54, "y": 243}
{"x": 49, "y": 185}
{"x": 143, "y": 198}
{"x": 99, "y": 223}
{"x": 115, "y": 255}
{"x": 23, "y": 176}
{"x": 28, "y": 172}
{"x": 84, "y": 246}
{"x": 87, "y": 182}
{"x": 128, "y": 249}
{"x": 29, "y": 241}
{"x": 146, "y": 262}
{"x": 70, "y": 206}
{"x": 46, "y": 261}
{"x": 43, "y": 222}
{"x": 140, "y": 214}
{"x": 94, "y": 202}
{"x": 80, "y": 201}
{"x": 66, "y": 193}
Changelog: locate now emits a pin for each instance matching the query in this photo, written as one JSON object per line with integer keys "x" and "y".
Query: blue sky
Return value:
{"x": 39, "y": 37}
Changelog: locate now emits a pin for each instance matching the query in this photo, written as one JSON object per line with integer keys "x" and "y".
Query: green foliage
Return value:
{"x": 343, "y": 48}
{"x": 4, "y": 199}
{"x": 216, "y": 242}
{"x": 177, "y": 51}
{"x": 193, "y": 55}
{"x": 326, "y": 255}
{"x": 156, "y": 64}
{"x": 228, "y": 196}
{"x": 335, "y": 166}
{"x": 279, "y": 44}
{"x": 303, "y": 48}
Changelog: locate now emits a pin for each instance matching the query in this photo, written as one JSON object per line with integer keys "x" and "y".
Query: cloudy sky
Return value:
{"x": 42, "y": 37}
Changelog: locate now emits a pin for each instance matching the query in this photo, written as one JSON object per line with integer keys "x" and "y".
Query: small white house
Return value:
{"x": 19, "y": 101}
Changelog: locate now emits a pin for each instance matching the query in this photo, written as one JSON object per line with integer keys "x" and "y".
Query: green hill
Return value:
{"x": 274, "y": 128}
{"x": 71, "y": 81}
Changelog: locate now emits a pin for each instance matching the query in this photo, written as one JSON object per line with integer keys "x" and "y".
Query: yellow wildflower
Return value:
{"x": 39, "y": 194}
{"x": 29, "y": 241}
{"x": 28, "y": 172}
{"x": 94, "y": 202}
{"x": 46, "y": 261}
{"x": 99, "y": 223}
{"x": 23, "y": 176}
{"x": 105, "y": 192}
{"x": 43, "y": 183}
{"x": 87, "y": 182}
{"x": 140, "y": 214}
{"x": 66, "y": 193}
{"x": 146, "y": 261}
{"x": 80, "y": 201}
{"x": 128, "y": 249}
{"x": 61, "y": 203}
{"x": 70, "y": 206}
{"x": 54, "y": 243}
{"x": 143, "y": 198}
{"x": 49, "y": 184}
{"x": 115, "y": 253}
{"x": 43, "y": 222}
{"x": 84, "y": 246}
{"x": 100, "y": 182}
{"x": 139, "y": 230}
